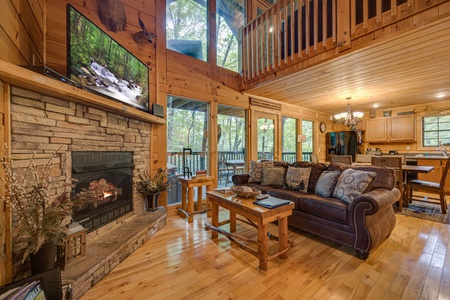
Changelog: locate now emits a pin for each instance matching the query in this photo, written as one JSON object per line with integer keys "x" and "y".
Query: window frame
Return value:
{"x": 441, "y": 140}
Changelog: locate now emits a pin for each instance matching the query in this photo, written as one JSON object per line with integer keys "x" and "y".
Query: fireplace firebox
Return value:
{"x": 109, "y": 175}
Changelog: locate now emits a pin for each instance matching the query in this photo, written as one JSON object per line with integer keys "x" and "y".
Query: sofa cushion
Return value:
{"x": 384, "y": 178}
{"x": 328, "y": 208}
{"x": 316, "y": 171}
{"x": 326, "y": 183}
{"x": 256, "y": 170}
{"x": 352, "y": 183}
{"x": 298, "y": 178}
{"x": 273, "y": 177}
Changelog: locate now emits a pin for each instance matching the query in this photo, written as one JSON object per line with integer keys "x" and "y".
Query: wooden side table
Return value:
{"x": 188, "y": 185}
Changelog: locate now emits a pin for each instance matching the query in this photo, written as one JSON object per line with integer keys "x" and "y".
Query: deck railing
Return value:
{"x": 197, "y": 160}
{"x": 292, "y": 31}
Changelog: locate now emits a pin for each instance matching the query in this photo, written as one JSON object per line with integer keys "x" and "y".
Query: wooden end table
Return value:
{"x": 258, "y": 217}
{"x": 188, "y": 185}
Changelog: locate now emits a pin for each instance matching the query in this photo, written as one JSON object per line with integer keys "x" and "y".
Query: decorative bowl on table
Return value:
{"x": 245, "y": 191}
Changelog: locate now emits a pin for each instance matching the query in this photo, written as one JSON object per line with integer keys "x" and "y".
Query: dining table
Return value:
{"x": 412, "y": 169}
{"x": 235, "y": 164}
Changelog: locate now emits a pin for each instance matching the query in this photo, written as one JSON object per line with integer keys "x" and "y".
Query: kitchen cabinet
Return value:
{"x": 391, "y": 129}
{"x": 376, "y": 130}
{"x": 436, "y": 174}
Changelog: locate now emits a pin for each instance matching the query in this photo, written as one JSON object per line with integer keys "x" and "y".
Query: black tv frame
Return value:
{"x": 87, "y": 88}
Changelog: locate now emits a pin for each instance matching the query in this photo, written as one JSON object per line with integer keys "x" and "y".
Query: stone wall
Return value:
{"x": 43, "y": 125}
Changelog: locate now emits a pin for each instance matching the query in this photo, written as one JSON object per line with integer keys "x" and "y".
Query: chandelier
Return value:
{"x": 348, "y": 118}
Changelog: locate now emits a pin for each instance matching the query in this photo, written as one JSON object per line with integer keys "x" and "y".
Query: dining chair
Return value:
{"x": 341, "y": 159}
{"x": 429, "y": 186}
{"x": 314, "y": 157}
{"x": 393, "y": 162}
{"x": 363, "y": 158}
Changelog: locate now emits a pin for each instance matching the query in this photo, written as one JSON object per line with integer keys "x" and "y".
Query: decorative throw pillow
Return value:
{"x": 256, "y": 170}
{"x": 326, "y": 183}
{"x": 352, "y": 183}
{"x": 298, "y": 178}
{"x": 273, "y": 176}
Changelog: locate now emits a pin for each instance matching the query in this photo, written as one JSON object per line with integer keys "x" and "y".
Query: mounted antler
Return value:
{"x": 143, "y": 35}
{"x": 112, "y": 14}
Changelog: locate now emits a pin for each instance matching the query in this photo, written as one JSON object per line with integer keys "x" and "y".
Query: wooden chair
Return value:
{"x": 430, "y": 186}
{"x": 341, "y": 159}
{"x": 363, "y": 158}
{"x": 393, "y": 162}
{"x": 314, "y": 158}
{"x": 224, "y": 171}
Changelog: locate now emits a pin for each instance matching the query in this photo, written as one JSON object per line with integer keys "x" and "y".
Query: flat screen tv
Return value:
{"x": 99, "y": 63}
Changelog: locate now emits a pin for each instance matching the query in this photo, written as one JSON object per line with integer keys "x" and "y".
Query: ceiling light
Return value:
{"x": 348, "y": 118}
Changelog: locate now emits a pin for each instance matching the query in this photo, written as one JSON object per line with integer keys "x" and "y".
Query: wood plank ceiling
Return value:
{"x": 408, "y": 69}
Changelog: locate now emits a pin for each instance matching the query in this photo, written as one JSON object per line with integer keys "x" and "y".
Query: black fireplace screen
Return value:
{"x": 109, "y": 176}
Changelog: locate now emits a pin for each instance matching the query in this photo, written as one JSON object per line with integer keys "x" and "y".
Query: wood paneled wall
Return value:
{"x": 22, "y": 31}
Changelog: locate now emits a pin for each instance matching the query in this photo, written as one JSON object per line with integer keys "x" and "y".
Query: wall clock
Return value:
{"x": 322, "y": 127}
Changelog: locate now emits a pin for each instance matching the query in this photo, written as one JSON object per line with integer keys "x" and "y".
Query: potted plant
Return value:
{"x": 40, "y": 219}
{"x": 151, "y": 187}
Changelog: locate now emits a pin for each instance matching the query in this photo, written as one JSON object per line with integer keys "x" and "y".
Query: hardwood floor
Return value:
{"x": 182, "y": 262}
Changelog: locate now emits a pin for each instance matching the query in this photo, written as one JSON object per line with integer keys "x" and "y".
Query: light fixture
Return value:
{"x": 348, "y": 118}
{"x": 266, "y": 127}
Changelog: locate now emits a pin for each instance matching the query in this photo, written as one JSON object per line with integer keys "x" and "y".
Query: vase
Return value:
{"x": 44, "y": 259}
{"x": 151, "y": 201}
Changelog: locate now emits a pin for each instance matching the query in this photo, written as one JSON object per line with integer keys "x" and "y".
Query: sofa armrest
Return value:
{"x": 240, "y": 179}
{"x": 372, "y": 218}
{"x": 377, "y": 200}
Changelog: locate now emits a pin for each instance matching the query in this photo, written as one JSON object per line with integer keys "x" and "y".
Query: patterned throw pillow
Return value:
{"x": 298, "y": 178}
{"x": 256, "y": 170}
{"x": 326, "y": 183}
{"x": 352, "y": 183}
{"x": 273, "y": 177}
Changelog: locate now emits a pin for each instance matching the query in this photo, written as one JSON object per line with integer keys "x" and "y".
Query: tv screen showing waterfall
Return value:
{"x": 99, "y": 63}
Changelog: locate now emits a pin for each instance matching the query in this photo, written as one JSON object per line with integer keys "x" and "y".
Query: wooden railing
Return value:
{"x": 292, "y": 31}
{"x": 288, "y": 32}
{"x": 197, "y": 160}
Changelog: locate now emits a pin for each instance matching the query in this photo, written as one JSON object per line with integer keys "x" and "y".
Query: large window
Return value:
{"x": 289, "y": 142}
{"x": 186, "y": 27}
{"x": 230, "y": 17}
{"x": 231, "y": 142}
{"x": 436, "y": 131}
{"x": 307, "y": 146}
{"x": 187, "y": 127}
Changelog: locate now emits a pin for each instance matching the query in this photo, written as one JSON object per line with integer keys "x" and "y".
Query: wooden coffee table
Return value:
{"x": 258, "y": 217}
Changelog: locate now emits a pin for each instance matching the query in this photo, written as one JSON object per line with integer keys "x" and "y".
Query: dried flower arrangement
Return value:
{"x": 41, "y": 218}
{"x": 147, "y": 184}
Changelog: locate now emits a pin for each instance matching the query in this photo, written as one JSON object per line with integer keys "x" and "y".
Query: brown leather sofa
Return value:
{"x": 363, "y": 224}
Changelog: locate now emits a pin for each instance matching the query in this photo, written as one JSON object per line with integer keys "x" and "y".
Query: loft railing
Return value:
{"x": 292, "y": 31}
{"x": 287, "y": 33}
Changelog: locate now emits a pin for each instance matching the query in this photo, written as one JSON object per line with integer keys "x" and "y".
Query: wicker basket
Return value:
{"x": 239, "y": 190}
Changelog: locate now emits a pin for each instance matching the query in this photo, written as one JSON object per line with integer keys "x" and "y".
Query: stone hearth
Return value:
{"x": 106, "y": 251}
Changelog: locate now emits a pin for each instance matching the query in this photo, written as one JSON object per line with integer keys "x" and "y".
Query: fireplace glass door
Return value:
{"x": 109, "y": 176}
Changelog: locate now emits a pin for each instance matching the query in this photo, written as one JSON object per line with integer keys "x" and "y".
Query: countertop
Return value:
{"x": 439, "y": 157}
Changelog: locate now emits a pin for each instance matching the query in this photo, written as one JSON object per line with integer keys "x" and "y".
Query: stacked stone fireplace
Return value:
{"x": 95, "y": 146}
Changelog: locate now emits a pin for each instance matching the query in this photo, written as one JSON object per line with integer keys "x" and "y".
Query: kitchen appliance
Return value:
{"x": 393, "y": 152}
{"x": 344, "y": 143}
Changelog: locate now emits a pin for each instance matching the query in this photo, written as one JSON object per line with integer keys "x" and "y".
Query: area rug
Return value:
{"x": 425, "y": 211}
